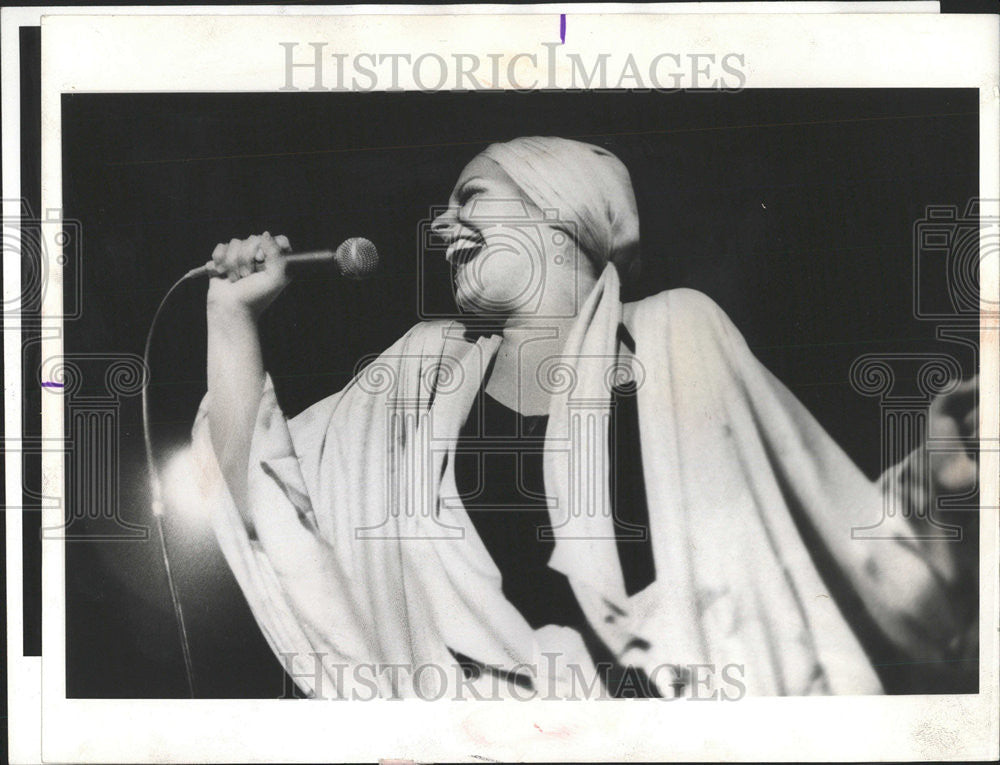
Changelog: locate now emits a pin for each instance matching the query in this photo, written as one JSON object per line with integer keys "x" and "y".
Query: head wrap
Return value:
{"x": 588, "y": 186}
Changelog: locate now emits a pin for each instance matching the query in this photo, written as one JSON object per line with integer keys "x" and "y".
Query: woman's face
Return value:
{"x": 503, "y": 252}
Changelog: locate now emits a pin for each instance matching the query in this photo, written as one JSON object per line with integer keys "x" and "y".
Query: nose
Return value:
{"x": 443, "y": 224}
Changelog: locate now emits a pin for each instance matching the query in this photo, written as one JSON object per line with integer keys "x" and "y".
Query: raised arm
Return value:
{"x": 907, "y": 577}
{"x": 254, "y": 276}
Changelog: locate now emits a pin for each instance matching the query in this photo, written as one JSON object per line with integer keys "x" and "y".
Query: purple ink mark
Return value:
{"x": 562, "y": 27}
{"x": 52, "y": 385}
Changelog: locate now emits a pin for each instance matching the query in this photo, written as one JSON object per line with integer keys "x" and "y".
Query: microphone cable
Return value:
{"x": 157, "y": 503}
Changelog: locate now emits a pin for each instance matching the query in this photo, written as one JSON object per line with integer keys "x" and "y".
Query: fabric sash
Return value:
{"x": 361, "y": 552}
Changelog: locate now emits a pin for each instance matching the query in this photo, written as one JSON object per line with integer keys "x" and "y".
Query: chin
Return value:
{"x": 480, "y": 305}
{"x": 478, "y": 301}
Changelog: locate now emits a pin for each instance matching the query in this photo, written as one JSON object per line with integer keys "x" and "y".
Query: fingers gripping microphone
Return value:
{"x": 356, "y": 258}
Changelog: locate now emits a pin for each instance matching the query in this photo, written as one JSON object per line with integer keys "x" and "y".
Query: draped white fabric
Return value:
{"x": 362, "y": 552}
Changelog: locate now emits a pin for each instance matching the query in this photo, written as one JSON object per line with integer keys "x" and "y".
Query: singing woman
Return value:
{"x": 585, "y": 488}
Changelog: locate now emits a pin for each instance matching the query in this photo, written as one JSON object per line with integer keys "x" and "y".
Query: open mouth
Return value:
{"x": 461, "y": 251}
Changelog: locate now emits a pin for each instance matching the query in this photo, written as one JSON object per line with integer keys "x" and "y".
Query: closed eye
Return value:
{"x": 467, "y": 192}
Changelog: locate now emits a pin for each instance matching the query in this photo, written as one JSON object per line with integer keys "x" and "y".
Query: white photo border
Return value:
{"x": 209, "y": 54}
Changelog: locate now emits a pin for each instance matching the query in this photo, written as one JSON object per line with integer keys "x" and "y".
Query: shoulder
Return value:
{"x": 432, "y": 337}
{"x": 427, "y": 328}
{"x": 682, "y": 305}
{"x": 689, "y": 325}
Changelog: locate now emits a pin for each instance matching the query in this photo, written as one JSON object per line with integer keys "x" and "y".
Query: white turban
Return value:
{"x": 588, "y": 186}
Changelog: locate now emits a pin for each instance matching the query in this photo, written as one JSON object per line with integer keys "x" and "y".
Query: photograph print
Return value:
{"x": 523, "y": 395}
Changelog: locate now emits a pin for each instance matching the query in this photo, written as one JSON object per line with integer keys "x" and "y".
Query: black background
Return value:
{"x": 793, "y": 209}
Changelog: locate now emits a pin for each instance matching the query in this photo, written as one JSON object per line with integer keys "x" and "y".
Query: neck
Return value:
{"x": 528, "y": 339}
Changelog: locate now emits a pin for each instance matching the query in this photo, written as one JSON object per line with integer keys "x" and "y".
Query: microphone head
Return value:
{"x": 357, "y": 258}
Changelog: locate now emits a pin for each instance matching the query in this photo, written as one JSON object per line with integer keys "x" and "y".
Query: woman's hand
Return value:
{"x": 252, "y": 273}
{"x": 954, "y": 415}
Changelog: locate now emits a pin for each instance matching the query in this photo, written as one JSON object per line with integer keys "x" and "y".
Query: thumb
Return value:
{"x": 276, "y": 266}
{"x": 272, "y": 247}
{"x": 956, "y": 473}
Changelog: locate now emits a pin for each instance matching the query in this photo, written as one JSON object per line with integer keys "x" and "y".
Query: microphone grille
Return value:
{"x": 357, "y": 258}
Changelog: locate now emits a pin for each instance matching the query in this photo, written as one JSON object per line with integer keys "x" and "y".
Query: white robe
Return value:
{"x": 363, "y": 555}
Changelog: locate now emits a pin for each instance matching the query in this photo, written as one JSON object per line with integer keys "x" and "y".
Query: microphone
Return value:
{"x": 356, "y": 258}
